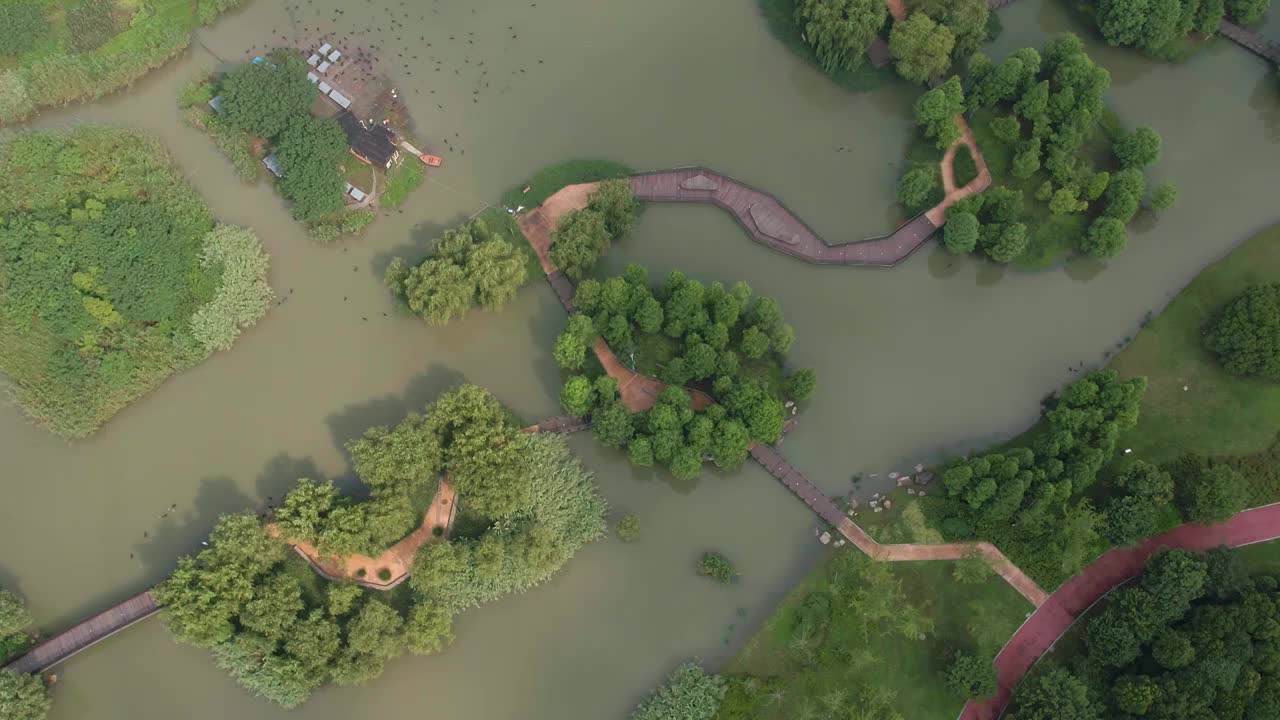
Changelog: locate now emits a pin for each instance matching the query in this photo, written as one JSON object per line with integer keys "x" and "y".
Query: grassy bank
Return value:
{"x": 797, "y": 666}
{"x": 75, "y": 55}
{"x": 570, "y": 172}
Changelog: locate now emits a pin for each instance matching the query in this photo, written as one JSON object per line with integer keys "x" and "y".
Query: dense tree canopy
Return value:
{"x": 1028, "y": 501}
{"x": 473, "y": 264}
{"x": 263, "y": 98}
{"x": 1245, "y": 334}
{"x": 937, "y": 110}
{"x": 133, "y": 283}
{"x": 966, "y": 19}
{"x": 725, "y": 341}
{"x": 690, "y": 693}
{"x": 23, "y": 696}
{"x": 311, "y": 151}
{"x": 921, "y": 47}
{"x": 1195, "y": 637}
{"x": 840, "y": 31}
{"x": 1247, "y": 12}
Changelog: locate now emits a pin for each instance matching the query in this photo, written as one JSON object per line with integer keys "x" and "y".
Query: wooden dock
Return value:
{"x": 86, "y": 634}
{"x": 1251, "y": 41}
{"x": 772, "y": 224}
{"x": 564, "y": 290}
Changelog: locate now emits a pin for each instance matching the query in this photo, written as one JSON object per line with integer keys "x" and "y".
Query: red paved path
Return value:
{"x": 1069, "y": 601}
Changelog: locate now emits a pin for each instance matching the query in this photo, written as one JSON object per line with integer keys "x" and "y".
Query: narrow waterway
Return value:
{"x": 936, "y": 356}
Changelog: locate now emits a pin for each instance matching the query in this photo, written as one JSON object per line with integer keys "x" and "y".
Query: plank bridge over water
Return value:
{"x": 86, "y": 634}
{"x": 772, "y": 224}
{"x": 1251, "y": 41}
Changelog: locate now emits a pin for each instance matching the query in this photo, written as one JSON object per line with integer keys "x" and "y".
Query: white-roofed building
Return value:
{"x": 273, "y": 164}
{"x": 340, "y": 99}
{"x": 324, "y": 87}
{"x": 216, "y": 104}
{"x": 324, "y": 66}
{"x": 313, "y": 59}
{"x": 313, "y": 78}
{"x": 333, "y": 56}
{"x": 358, "y": 194}
{"x": 325, "y": 48}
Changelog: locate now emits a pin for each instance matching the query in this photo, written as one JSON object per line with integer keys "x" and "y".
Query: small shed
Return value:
{"x": 216, "y": 104}
{"x": 273, "y": 164}
{"x": 358, "y": 194}
{"x": 313, "y": 78}
{"x": 341, "y": 99}
{"x": 324, "y": 66}
{"x": 333, "y": 56}
{"x": 324, "y": 87}
{"x": 325, "y": 48}
{"x": 313, "y": 59}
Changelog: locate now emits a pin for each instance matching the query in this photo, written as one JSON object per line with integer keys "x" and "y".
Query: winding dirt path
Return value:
{"x": 938, "y": 214}
{"x": 1048, "y": 623}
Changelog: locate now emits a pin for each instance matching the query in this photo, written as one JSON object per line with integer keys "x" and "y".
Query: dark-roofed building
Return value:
{"x": 374, "y": 144}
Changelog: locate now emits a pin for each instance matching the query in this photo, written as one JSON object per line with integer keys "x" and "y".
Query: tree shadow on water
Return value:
{"x": 351, "y": 422}
{"x": 280, "y": 475}
{"x": 421, "y": 242}
{"x": 181, "y": 530}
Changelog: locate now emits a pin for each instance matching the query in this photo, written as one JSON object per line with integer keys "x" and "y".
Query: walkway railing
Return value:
{"x": 86, "y": 634}
{"x": 1251, "y": 41}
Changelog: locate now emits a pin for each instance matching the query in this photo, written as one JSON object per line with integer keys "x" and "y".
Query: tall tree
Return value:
{"x": 840, "y": 31}
{"x": 921, "y": 47}
{"x": 263, "y": 98}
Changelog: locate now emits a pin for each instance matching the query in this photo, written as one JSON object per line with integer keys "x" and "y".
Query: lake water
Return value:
{"x": 937, "y": 356}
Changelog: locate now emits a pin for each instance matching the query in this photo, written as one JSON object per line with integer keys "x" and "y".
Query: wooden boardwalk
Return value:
{"x": 564, "y": 290}
{"x": 770, "y": 223}
{"x": 772, "y": 461}
{"x": 1251, "y": 41}
{"x": 85, "y": 634}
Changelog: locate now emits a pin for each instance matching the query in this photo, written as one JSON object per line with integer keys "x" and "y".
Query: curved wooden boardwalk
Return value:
{"x": 772, "y": 461}
{"x": 1048, "y": 623}
{"x": 1251, "y": 41}
{"x": 86, "y": 634}
{"x": 770, "y": 223}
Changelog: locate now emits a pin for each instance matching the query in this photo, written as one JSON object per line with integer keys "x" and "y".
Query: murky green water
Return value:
{"x": 936, "y": 356}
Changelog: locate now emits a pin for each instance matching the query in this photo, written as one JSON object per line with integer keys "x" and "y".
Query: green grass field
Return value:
{"x": 570, "y": 172}
{"x": 853, "y": 664}
{"x": 1216, "y": 413}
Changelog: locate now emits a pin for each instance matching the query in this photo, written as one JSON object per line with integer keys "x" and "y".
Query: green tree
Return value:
{"x": 628, "y": 528}
{"x": 640, "y": 451}
{"x": 971, "y": 677}
{"x": 1134, "y": 513}
{"x": 437, "y": 290}
{"x": 377, "y": 630}
{"x": 274, "y": 607}
{"x": 1111, "y": 640}
{"x": 340, "y": 598}
{"x": 717, "y": 567}
{"x": 1164, "y": 196}
{"x": 579, "y": 241}
{"x": 615, "y": 201}
{"x": 311, "y": 151}
{"x": 730, "y": 444}
{"x": 1213, "y": 496}
{"x": 840, "y": 31}
{"x": 1138, "y": 149}
{"x": 402, "y": 459}
{"x": 1208, "y": 16}
{"x": 429, "y": 628}
{"x": 648, "y": 315}
{"x": 937, "y": 110}
{"x": 966, "y": 19}
{"x": 1123, "y": 22}
{"x": 921, "y": 47}
{"x": 578, "y": 396}
{"x": 1245, "y": 334}
{"x": 314, "y": 641}
{"x": 13, "y": 614}
{"x": 1007, "y": 129}
{"x": 918, "y": 190}
{"x": 1008, "y": 244}
{"x": 264, "y": 98}
{"x": 1065, "y": 202}
{"x": 611, "y": 424}
{"x": 960, "y": 233}
{"x": 250, "y": 659}
{"x": 587, "y": 296}
{"x": 571, "y": 345}
{"x": 1055, "y": 695}
{"x": 1027, "y": 161}
{"x": 801, "y": 384}
{"x": 1172, "y": 649}
{"x": 1124, "y": 194}
{"x": 23, "y": 696}
{"x": 1135, "y": 694}
{"x": 1247, "y": 12}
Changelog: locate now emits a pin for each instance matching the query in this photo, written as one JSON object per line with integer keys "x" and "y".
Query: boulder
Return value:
{"x": 924, "y": 478}
{"x": 888, "y": 504}
{"x": 879, "y": 509}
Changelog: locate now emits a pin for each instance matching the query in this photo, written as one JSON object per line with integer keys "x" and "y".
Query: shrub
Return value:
{"x": 628, "y": 528}
{"x": 243, "y": 294}
{"x": 689, "y": 694}
{"x": 717, "y": 567}
{"x": 801, "y": 384}
{"x": 90, "y": 23}
{"x": 971, "y": 677}
{"x": 22, "y": 24}
{"x": 384, "y": 574}
{"x": 919, "y": 189}
{"x": 1213, "y": 495}
{"x": 1164, "y": 196}
{"x": 964, "y": 168}
{"x": 1245, "y": 335}
{"x": 960, "y": 233}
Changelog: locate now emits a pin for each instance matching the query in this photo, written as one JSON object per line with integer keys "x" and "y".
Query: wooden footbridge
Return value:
{"x": 1251, "y": 41}
{"x": 86, "y": 634}
{"x": 772, "y": 224}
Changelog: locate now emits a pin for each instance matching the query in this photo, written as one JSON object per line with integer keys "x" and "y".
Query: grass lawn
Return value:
{"x": 849, "y": 663}
{"x": 653, "y": 351}
{"x": 1217, "y": 413}
{"x": 357, "y": 173}
{"x": 570, "y": 172}
{"x": 402, "y": 179}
